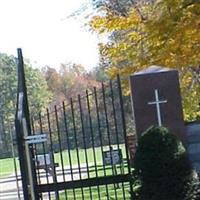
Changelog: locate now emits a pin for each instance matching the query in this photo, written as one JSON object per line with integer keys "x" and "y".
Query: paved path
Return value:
{"x": 8, "y": 189}
{"x": 8, "y": 185}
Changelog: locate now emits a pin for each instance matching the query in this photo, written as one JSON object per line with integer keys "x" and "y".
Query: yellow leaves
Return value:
{"x": 134, "y": 36}
{"x": 178, "y": 36}
{"x": 167, "y": 35}
{"x": 110, "y": 22}
{"x": 98, "y": 24}
{"x": 191, "y": 97}
{"x": 133, "y": 18}
{"x": 112, "y": 72}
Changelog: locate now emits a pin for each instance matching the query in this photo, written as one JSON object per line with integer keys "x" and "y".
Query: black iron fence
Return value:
{"x": 77, "y": 150}
{"x": 86, "y": 146}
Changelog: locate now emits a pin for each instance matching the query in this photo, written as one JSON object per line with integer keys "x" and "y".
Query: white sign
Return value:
{"x": 33, "y": 139}
{"x": 112, "y": 157}
{"x": 43, "y": 159}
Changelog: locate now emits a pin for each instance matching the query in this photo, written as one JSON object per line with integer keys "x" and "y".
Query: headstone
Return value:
{"x": 112, "y": 157}
{"x": 157, "y": 100}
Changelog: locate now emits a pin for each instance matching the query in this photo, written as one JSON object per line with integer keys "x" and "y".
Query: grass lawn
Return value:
{"x": 101, "y": 192}
{"x": 114, "y": 191}
{"x": 82, "y": 157}
{"x": 7, "y": 165}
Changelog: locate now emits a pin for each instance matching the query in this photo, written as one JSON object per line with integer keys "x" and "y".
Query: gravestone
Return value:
{"x": 156, "y": 100}
{"x": 112, "y": 157}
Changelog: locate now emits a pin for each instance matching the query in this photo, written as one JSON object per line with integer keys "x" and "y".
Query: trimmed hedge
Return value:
{"x": 163, "y": 168}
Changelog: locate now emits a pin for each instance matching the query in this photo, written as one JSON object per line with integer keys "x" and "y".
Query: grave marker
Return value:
{"x": 112, "y": 157}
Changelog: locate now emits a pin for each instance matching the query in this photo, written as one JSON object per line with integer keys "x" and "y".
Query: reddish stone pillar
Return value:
{"x": 157, "y": 101}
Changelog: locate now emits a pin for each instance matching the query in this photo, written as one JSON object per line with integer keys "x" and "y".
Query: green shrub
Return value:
{"x": 163, "y": 168}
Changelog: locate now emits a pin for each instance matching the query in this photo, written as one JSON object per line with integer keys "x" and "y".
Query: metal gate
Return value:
{"x": 77, "y": 150}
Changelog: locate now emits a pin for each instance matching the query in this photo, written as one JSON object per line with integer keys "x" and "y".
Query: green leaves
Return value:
{"x": 38, "y": 94}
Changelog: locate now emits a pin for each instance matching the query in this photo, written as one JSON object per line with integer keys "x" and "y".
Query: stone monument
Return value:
{"x": 156, "y": 100}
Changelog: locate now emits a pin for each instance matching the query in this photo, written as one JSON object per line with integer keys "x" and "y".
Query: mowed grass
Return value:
{"x": 92, "y": 155}
{"x": 103, "y": 192}
{"x": 7, "y": 166}
{"x": 112, "y": 191}
{"x": 98, "y": 192}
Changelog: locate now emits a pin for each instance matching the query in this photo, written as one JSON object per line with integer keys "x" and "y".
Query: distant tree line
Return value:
{"x": 49, "y": 87}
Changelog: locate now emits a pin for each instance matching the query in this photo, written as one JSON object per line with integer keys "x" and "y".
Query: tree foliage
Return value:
{"x": 72, "y": 80}
{"x": 118, "y": 7}
{"x": 163, "y": 167}
{"x": 38, "y": 96}
{"x": 69, "y": 81}
{"x": 160, "y": 32}
{"x": 38, "y": 93}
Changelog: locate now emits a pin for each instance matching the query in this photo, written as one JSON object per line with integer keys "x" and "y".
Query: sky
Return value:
{"x": 45, "y": 33}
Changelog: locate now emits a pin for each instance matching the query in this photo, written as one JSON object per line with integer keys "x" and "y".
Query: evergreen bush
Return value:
{"x": 163, "y": 168}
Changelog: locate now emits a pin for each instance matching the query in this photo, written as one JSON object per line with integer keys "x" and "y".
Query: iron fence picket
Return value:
{"x": 43, "y": 151}
{"x": 76, "y": 145}
{"x": 92, "y": 135}
{"x": 100, "y": 133}
{"x": 84, "y": 141}
{"x": 124, "y": 129}
{"x": 60, "y": 145}
{"x": 107, "y": 125}
{"x": 116, "y": 130}
{"x": 52, "y": 154}
{"x": 68, "y": 144}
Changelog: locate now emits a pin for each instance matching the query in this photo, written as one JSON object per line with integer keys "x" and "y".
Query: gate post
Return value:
{"x": 23, "y": 129}
{"x": 157, "y": 100}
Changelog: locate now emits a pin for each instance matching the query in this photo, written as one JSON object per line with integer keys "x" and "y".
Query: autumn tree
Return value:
{"x": 54, "y": 83}
{"x": 160, "y": 32}
{"x": 66, "y": 84}
{"x": 72, "y": 80}
{"x": 69, "y": 81}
